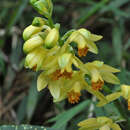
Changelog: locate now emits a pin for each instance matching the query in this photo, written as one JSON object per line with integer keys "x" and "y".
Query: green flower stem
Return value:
{"x": 50, "y": 21}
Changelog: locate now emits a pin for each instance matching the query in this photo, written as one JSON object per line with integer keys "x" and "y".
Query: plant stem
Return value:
{"x": 51, "y": 24}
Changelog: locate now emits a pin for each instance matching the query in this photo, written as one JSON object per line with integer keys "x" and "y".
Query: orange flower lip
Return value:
{"x": 73, "y": 97}
{"x": 34, "y": 67}
{"x": 83, "y": 51}
{"x": 57, "y": 75}
{"x": 97, "y": 85}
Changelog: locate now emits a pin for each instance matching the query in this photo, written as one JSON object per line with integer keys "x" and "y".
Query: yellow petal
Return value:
{"x": 98, "y": 63}
{"x": 105, "y": 127}
{"x": 98, "y": 94}
{"x": 85, "y": 32}
{"x": 109, "y": 98}
{"x": 115, "y": 126}
{"x": 95, "y": 75}
{"x": 110, "y": 78}
{"x": 92, "y": 47}
{"x": 64, "y": 60}
{"x": 89, "y": 122}
{"x": 109, "y": 68}
{"x": 54, "y": 88}
{"x": 41, "y": 82}
{"x": 113, "y": 96}
{"x": 94, "y": 37}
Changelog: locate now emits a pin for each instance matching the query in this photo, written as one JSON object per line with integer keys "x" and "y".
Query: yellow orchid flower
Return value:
{"x": 59, "y": 66}
{"x": 61, "y": 88}
{"x": 85, "y": 41}
{"x": 101, "y": 72}
{"x": 74, "y": 93}
{"x": 34, "y": 60}
{"x": 99, "y": 123}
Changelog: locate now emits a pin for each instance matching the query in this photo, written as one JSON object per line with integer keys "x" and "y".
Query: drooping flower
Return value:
{"x": 99, "y": 123}
{"x": 100, "y": 72}
{"x": 61, "y": 88}
{"x": 85, "y": 41}
{"x": 34, "y": 60}
{"x": 75, "y": 92}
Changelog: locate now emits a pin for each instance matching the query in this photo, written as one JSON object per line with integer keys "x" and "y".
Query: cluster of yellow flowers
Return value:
{"x": 61, "y": 70}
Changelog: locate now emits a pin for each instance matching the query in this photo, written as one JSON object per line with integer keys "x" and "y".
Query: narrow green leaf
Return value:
{"x": 117, "y": 43}
{"x": 32, "y": 99}
{"x": 64, "y": 117}
{"x": 23, "y": 127}
{"x": 21, "y": 113}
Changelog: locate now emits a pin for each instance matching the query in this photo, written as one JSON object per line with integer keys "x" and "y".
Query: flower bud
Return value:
{"x": 65, "y": 62}
{"x": 34, "y": 60}
{"x": 52, "y": 38}
{"x": 30, "y": 30}
{"x": 38, "y": 21}
{"x": 44, "y": 7}
{"x": 32, "y": 43}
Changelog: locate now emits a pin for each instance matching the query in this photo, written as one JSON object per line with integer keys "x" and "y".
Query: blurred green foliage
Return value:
{"x": 20, "y": 103}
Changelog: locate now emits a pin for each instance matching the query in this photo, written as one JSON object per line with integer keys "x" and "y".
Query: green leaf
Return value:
{"x": 114, "y": 4}
{"x": 117, "y": 43}
{"x": 21, "y": 113}
{"x": 23, "y": 127}
{"x": 64, "y": 117}
{"x": 32, "y": 99}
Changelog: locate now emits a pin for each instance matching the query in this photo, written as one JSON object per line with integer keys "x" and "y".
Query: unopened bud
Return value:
{"x": 30, "y": 30}
{"x": 52, "y": 38}
{"x": 38, "y": 21}
{"x": 44, "y": 7}
{"x": 35, "y": 59}
{"x": 32, "y": 43}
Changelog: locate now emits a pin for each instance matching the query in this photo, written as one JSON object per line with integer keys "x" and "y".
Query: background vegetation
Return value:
{"x": 20, "y": 103}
